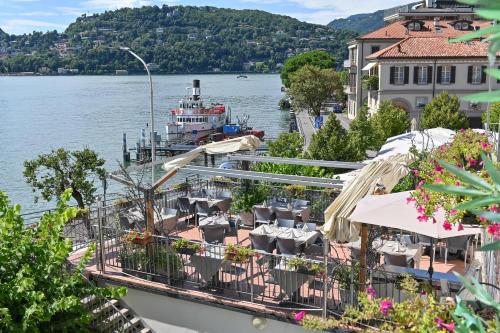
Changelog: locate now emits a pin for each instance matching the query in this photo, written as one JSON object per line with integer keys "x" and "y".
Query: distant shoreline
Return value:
{"x": 137, "y": 74}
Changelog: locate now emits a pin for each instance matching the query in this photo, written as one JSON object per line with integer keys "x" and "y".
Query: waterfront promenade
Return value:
{"x": 305, "y": 124}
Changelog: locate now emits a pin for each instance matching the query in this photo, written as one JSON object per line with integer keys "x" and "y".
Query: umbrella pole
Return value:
{"x": 431, "y": 269}
{"x": 362, "y": 257}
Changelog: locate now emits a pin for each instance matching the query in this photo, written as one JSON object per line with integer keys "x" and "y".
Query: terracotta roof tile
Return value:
{"x": 432, "y": 47}
{"x": 398, "y": 30}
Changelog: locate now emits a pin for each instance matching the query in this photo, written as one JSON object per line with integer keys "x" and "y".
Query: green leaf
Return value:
{"x": 490, "y": 216}
{"x": 495, "y": 246}
{"x": 490, "y": 167}
{"x": 476, "y": 34}
{"x": 478, "y": 203}
{"x": 493, "y": 71}
{"x": 457, "y": 190}
{"x": 490, "y": 14}
{"x": 467, "y": 176}
{"x": 483, "y": 97}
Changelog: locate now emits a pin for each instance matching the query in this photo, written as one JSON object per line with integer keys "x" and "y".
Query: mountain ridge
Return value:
{"x": 174, "y": 39}
{"x": 360, "y": 23}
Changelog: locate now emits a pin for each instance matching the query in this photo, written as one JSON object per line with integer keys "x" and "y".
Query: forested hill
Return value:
{"x": 174, "y": 39}
{"x": 361, "y": 23}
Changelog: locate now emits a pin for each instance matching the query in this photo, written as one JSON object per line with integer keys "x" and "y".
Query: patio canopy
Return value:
{"x": 393, "y": 211}
{"x": 248, "y": 142}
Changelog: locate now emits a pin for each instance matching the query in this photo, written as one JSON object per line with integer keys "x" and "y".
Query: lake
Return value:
{"x": 38, "y": 114}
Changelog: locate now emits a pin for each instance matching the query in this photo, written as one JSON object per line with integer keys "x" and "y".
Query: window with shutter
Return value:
{"x": 422, "y": 75}
{"x": 392, "y": 75}
{"x": 439, "y": 74}
{"x": 469, "y": 74}
{"x": 429, "y": 74}
{"x": 453, "y": 74}
{"x": 406, "y": 77}
{"x": 398, "y": 75}
{"x": 483, "y": 74}
{"x": 477, "y": 76}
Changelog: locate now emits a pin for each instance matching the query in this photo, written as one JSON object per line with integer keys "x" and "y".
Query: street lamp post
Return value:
{"x": 153, "y": 139}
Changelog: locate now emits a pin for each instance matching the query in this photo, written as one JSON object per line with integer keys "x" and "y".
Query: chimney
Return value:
{"x": 196, "y": 89}
{"x": 386, "y": 34}
{"x": 399, "y": 48}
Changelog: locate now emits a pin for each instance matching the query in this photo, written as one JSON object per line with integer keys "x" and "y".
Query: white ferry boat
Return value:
{"x": 192, "y": 120}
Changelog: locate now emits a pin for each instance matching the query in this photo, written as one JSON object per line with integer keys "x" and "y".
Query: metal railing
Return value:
{"x": 265, "y": 278}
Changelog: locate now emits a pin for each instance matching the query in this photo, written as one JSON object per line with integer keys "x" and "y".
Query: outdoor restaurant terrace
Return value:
{"x": 255, "y": 241}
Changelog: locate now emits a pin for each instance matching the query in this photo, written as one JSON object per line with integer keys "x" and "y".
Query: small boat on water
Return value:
{"x": 242, "y": 76}
{"x": 192, "y": 120}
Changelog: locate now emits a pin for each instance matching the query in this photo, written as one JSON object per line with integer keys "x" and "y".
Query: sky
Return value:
{"x": 25, "y": 16}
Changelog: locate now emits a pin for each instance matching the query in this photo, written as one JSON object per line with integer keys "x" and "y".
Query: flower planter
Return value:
{"x": 143, "y": 241}
{"x": 306, "y": 271}
{"x": 186, "y": 250}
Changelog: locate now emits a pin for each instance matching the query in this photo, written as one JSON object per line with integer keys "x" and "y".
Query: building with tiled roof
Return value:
{"x": 415, "y": 60}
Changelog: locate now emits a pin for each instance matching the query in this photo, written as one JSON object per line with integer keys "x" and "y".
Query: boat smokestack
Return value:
{"x": 196, "y": 89}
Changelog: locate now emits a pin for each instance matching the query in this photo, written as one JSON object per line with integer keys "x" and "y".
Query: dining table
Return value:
{"x": 215, "y": 220}
{"x": 289, "y": 280}
{"x": 301, "y": 237}
{"x": 391, "y": 247}
{"x": 208, "y": 263}
{"x": 212, "y": 202}
{"x": 275, "y": 206}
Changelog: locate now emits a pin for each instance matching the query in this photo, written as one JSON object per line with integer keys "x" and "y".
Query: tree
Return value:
{"x": 53, "y": 173}
{"x": 330, "y": 142}
{"x": 317, "y": 58}
{"x": 312, "y": 86}
{"x": 444, "y": 111}
{"x": 387, "y": 122}
{"x": 494, "y": 115}
{"x": 360, "y": 135}
{"x": 289, "y": 145}
{"x": 38, "y": 293}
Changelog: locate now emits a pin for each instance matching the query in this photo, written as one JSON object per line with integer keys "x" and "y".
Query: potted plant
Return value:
{"x": 183, "y": 246}
{"x": 237, "y": 254}
{"x": 141, "y": 238}
{"x": 347, "y": 275}
{"x": 244, "y": 200}
{"x": 306, "y": 267}
{"x": 133, "y": 259}
{"x": 167, "y": 263}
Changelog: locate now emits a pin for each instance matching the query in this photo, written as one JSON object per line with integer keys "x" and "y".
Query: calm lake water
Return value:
{"x": 38, "y": 114}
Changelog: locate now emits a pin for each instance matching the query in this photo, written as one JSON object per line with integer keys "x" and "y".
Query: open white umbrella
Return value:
{"x": 393, "y": 211}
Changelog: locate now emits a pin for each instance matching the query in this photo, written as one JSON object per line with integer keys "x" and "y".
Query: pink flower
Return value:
{"x": 462, "y": 130}
{"x": 440, "y": 324}
{"x": 472, "y": 162}
{"x": 438, "y": 168}
{"x": 438, "y": 180}
{"x": 447, "y": 226}
{"x": 460, "y": 227}
{"x": 416, "y": 173}
{"x": 422, "y": 218}
{"x": 483, "y": 219}
{"x": 453, "y": 212}
{"x": 385, "y": 306}
{"x": 370, "y": 291}
{"x": 458, "y": 183}
{"x": 494, "y": 208}
{"x": 420, "y": 210}
{"x": 410, "y": 199}
{"x": 460, "y": 165}
{"x": 494, "y": 230}
{"x": 300, "y": 315}
{"x": 420, "y": 184}
{"x": 485, "y": 145}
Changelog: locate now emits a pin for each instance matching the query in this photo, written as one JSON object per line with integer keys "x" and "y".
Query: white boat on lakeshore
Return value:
{"x": 192, "y": 120}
